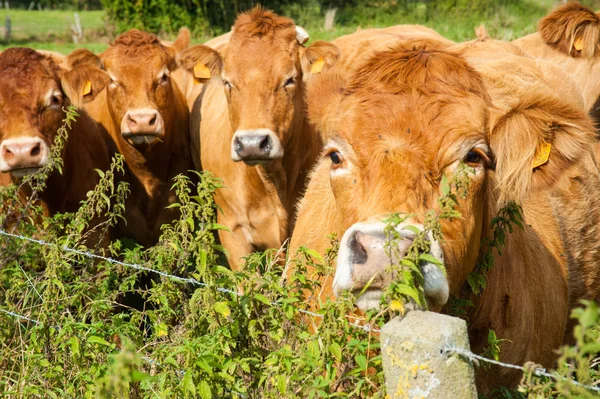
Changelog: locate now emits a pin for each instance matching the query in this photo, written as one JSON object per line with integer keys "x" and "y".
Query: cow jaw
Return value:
{"x": 363, "y": 260}
{"x": 256, "y": 146}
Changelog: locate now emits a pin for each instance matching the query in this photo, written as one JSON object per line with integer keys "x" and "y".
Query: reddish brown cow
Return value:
{"x": 146, "y": 115}
{"x": 33, "y": 95}
{"x": 570, "y": 37}
{"x": 412, "y": 114}
{"x": 253, "y": 112}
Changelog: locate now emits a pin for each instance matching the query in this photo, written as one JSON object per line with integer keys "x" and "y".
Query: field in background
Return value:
{"x": 51, "y": 29}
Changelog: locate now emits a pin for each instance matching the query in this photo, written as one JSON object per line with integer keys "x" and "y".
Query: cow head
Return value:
{"x": 136, "y": 74}
{"x": 32, "y": 100}
{"x": 263, "y": 73}
{"x": 572, "y": 29}
{"x": 393, "y": 129}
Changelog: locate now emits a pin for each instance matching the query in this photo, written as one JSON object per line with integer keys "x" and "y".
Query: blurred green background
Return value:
{"x": 48, "y": 24}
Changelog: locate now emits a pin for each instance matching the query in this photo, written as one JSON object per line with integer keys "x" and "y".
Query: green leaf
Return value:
{"x": 74, "y": 341}
{"x": 97, "y": 340}
{"x": 445, "y": 185}
{"x": 222, "y": 308}
{"x": 335, "y": 350}
{"x": 315, "y": 255}
{"x": 204, "y": 390}
{"x": 430, "y": 258}
{"x": 188, "y": 385}
{"x": 262, "y": 298}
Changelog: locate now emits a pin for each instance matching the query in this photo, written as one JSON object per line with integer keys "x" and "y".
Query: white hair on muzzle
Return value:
{"x": 301, "y": 35}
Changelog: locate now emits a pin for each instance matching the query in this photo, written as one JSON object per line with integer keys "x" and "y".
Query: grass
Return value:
{"x": 50, "y": 30}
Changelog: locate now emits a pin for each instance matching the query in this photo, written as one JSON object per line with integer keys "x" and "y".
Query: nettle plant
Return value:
{"x": 173, "y": 320}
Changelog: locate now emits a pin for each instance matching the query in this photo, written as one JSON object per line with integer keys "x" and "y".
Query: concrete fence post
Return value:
{"x": 415, "y": 361}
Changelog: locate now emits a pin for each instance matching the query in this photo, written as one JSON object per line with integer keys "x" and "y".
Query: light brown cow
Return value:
{"x": 570, "y": 37}
{"x": 33, "y": 95}
{"x": 146, "y": 115}
{"x": 410, "y": 115}
{"x": 253, "y": 113}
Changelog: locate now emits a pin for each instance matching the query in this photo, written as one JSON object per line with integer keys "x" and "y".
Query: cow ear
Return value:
{"x": 323, "y": 97}
{"x": 201, "y": 61}
{"x": 572, "y": 29}
{"x": 183, "y": 40}
{"x": 318, "y": 57}
{"x": 83, "y": 83}
{"x": 537, "y": 144}
{"x": 83, "y": 57}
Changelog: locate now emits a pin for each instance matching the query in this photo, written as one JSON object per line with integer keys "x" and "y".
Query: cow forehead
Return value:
{"x": 137, "y": 59}
{"x": 429, "y": 130}
{"x": 260, "y": 56}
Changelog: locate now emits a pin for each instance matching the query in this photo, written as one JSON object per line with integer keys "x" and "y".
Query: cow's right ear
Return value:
{"x": 572, "y": 29}
{"x": 201, "y": 61}
{"x": 83, "y": 83}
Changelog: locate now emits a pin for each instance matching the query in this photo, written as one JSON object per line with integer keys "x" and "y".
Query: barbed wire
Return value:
{"x": 365, "y": 327}
{"x": 539, "y": 372}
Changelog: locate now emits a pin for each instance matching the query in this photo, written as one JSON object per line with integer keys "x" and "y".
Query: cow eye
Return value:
{"x": 227, "y": 84}
{"x": 164, "y": 79}
{"x": 336, "y": 158}
{"x": 55, "y": 100}
{"x": 290, "y": 82}
{"x": 472, "y": 157}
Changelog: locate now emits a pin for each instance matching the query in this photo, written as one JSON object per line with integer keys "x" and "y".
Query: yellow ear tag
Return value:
{"x": 201, "y": 72}
{"x": 541, "y": 155}
{"x": 317, "y": 67}
{"x": 578, "y": 44}
{"x": 87, "y": 88}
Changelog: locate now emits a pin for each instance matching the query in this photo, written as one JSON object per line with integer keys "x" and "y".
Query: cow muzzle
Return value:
{"x": 142, "y": 126}
{"x": 364, "y": 261}
{"x": 256, "y": 146}
{"x": 23, "y": 155}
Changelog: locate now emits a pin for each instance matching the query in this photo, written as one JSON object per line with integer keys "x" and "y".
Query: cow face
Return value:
{"x": 31, "y": 110}
{"x": 140, "y": 93}
{"x": 404, "y": 120}
{"x": 263, "y": 74}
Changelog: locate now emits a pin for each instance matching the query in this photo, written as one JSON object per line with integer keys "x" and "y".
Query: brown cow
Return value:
{"x": 33, "y": 95}
{"x": 253, "y": 112}
{"x": 570, "y": 37}
{"x": 146, "y": 115}
{"x": 410, "y": 115}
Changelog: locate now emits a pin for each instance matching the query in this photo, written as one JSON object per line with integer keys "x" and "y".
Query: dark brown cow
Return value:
{"x": 253, "y": 112}
{"x": 145, "y": 113}
{"x": 412, "y": 114}
{"x": 33, "y": 95}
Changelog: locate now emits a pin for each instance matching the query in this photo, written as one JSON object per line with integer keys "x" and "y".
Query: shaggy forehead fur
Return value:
{"x": 135, "y": 43}
{"x": 24, "y": 63}
{"x": 260, "y": 23}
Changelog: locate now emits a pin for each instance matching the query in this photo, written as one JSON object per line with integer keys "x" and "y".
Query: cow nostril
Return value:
{"x": 36, "y": 150}
{"x": 131, "y": 120}
{"x": 265, "y": 144}
{"x": 238, "y": 145}
{"x": 153, "y": 120}
{"x": 6, "y": 151}
{"x": 359, "y": 253}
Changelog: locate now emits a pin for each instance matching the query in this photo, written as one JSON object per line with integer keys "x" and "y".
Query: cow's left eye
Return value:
{"x": 290, "y": 82}
{"x": 55, "y": 100}
{"x": 472, "y": 157}
{"x": 164, "y": 79}
{"x": 336, "y": 158}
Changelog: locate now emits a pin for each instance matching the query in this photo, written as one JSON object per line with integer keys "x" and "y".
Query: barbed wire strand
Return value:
{"x": 539, "y": 372}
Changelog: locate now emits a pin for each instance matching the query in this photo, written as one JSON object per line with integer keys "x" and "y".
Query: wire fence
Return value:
{"x": 448, "y": 350}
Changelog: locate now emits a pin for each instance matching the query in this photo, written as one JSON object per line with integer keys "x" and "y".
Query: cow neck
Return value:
{"x": 526, "y": 287}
